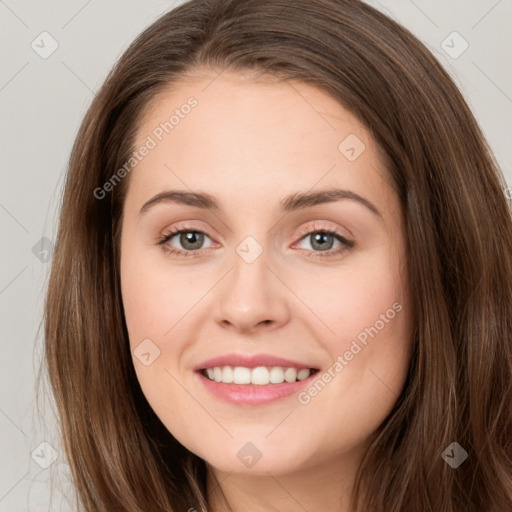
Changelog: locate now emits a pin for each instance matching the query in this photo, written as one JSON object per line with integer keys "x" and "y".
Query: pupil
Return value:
{"x": 319, "y": 238}
{"x": 192, "y": 237}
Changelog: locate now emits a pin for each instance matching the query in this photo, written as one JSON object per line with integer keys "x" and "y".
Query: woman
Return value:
{"x": 247, "y": 371}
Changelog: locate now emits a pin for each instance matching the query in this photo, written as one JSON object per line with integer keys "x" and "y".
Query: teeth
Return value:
{"x": 303, "y": 374}
{"x": 260, "y": 376}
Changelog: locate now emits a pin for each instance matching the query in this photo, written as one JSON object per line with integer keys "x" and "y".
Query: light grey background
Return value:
{"x": 42, "y": 102}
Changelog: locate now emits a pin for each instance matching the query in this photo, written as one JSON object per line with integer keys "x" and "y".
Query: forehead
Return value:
{"x": 239, "y": 105}
{"x": 252, "y": 134}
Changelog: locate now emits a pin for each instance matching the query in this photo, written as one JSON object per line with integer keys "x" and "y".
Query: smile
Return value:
{"x": 259, "y": 376}
{"x": 247, "y": 391}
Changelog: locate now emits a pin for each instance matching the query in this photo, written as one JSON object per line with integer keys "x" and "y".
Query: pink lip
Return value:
{"x": 251, "y": 394}
{"x": 250, "y": 361}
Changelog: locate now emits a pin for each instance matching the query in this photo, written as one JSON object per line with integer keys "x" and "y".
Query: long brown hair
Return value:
{"x": 459, "y": 240}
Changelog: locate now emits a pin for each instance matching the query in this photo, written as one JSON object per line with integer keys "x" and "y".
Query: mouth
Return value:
{"x": 257, "y": 376}
{"x": 244, "y": 386}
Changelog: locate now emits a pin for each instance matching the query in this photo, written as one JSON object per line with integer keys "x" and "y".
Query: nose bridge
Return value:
{"x": 250, "y": 264}
{"x": 251, "y": 293}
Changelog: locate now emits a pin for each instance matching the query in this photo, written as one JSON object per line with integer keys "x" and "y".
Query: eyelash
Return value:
{"x": 346, "y": 244}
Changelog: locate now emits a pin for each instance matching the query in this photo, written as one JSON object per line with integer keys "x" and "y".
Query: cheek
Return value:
{"x": 152, "y": 305}
{"x": 152, "y": 296}
{"x": 365, "y": 326}
{"x": 348, "y": 299}
{"x": 157, "y": 304}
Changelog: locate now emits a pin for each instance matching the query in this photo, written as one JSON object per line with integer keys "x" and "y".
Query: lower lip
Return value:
{"x": 251, "y": 394}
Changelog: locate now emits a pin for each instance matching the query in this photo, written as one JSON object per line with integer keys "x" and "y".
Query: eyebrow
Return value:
{"x": 294, "y": 202}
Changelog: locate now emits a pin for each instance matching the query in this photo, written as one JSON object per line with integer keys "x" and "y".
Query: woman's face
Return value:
{"x": 320, "y": 282}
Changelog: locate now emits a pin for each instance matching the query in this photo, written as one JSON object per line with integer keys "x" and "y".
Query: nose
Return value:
{"x": 252, "y": 297}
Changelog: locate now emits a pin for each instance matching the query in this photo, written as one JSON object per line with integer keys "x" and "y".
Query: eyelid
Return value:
{"x": 169, "y": 233}
{"x": 182, "y": 226}
{"x": 318, "y": 226}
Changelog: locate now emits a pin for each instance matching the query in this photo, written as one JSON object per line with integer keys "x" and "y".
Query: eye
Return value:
{"x": 322, "y": 239}
{"x": 189, "y": 238}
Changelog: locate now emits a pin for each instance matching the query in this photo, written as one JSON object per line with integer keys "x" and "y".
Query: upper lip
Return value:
{"x": 250, "y": 361}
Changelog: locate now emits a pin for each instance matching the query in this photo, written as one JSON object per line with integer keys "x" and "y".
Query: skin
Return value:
{"x": 250, "y": 142}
